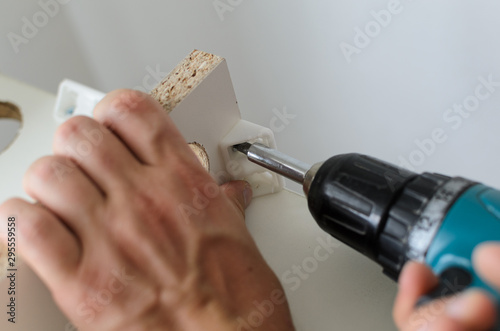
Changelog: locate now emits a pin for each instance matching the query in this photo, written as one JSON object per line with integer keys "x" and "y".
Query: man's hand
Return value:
{"x": 471, "y": 310}
{"x": 131, "y": 233}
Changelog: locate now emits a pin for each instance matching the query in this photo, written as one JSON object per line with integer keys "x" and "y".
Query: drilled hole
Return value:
{"x": 11, "y": 121}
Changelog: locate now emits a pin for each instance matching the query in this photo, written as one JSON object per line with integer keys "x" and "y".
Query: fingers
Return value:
{"x": 469, "y": 310}
{"x": 415, "y": 280}
{"x": 142, "y": 124}
{"x": 97, "y": 151}
{"x": 44, "y": 242}
{"x": 486, "y": 261}
{"x": 240, "y": 193}
{"x": 441, "y": 324}
{"x": 473, "y": 309}
{"x": 73, "y": 198}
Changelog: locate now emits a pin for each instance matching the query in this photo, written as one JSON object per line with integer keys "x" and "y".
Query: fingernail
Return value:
{"x": 247, "y": 194}
{"x": 460, "y": 306}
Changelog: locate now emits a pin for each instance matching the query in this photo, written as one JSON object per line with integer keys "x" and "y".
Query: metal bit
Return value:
{"x": 275, "y": 161}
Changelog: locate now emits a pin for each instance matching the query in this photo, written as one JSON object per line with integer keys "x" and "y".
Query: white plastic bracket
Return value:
{"x": 262, "y": 180}
{"x": 75, "y": 99}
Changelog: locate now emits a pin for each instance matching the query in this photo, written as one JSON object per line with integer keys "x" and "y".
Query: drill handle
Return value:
{"x": 473, "y": 219}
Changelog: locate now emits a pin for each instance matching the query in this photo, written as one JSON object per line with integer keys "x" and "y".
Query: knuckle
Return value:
{"x": 40, "y": 170}
{"x": 47, "y": 170}
{"x": 127, "y": 101}
{"x": 70, "y": 128}
{"x": 118, "y": 105}
{"x": 73, "y": 130}
{"x": 10, "y": 207}
{"x": 35, "y": 228}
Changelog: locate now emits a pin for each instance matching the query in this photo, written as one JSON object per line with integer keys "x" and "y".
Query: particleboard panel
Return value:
{"x": 200, "y": 98}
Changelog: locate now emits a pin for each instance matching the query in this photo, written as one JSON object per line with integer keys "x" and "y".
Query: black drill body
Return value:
{"x": 370, "y": 205}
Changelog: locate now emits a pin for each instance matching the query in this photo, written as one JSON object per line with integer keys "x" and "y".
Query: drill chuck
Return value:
{"x": 385, "y": 212}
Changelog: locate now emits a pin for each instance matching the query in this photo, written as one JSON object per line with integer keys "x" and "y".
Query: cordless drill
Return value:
{"x": 393, "y": 215}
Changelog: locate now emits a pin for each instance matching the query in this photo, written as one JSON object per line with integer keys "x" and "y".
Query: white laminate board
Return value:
{"x": 35, "y": 307}
{"x": 35, "y": 137}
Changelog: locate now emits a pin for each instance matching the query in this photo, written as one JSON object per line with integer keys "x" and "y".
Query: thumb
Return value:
{"x": 471, "y": 310}
{"x": 486, "y": 259}
{"x": 415, "y": 280}
{"x": 240, "y": 192}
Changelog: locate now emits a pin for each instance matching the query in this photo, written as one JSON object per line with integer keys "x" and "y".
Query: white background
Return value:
{"x": 288, "y": 54}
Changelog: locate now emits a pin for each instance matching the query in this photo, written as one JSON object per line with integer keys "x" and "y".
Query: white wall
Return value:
{"x": 286, "y": 53}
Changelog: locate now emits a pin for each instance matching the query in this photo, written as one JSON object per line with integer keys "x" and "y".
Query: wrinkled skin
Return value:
{"x": 131, "y": 233}
{"x": 469, "y": 311}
